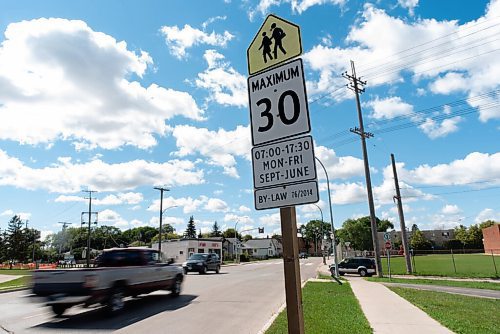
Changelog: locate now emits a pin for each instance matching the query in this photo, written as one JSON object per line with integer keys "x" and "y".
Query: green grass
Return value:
{"x": 15, "y": 283}
{"x": 461, "y": 284}
{"x": 467, "y": 265}
{"x": 15, "y": 272}
{"x": 328, "y": 308}
{"x": 461, "y": 314}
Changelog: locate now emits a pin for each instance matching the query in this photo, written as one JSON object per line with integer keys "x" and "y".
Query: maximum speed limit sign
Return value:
{"x": 278, "y": 103}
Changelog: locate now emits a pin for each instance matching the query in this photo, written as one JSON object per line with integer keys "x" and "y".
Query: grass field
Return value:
{"x": 15, "y": 272}
{"x": 461, "y": 284}
{"x": 461, "y": 314}
{"x": 15, "y": 283}
{"x": 328, "y": 308}
{"x": 467, "y": 265}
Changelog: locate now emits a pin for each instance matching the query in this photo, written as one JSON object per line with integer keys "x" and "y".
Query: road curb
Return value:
{"x": 14, "y": 290}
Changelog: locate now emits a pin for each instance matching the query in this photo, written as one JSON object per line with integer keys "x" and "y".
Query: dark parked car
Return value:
{"x": 303, "y": 255}
{"x": 202, "y": 262}
{"x": 355, "y": 265}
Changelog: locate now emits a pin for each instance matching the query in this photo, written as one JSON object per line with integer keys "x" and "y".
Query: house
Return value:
{"x": 263, "y": 248}
{"x": 181, "y": 249}
{"x": 231, "y": 247}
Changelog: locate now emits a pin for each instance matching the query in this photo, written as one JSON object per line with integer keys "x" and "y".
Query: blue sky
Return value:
{"x": 120, "y": 96}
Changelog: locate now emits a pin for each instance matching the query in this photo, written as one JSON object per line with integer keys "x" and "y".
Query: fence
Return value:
{"x": 451, "y": 262}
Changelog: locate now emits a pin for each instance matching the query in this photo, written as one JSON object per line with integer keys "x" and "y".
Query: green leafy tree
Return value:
{"x": 487, "y": 223}
{"x": 247, "y": 237}
{"x": 418, "y": 240}
{"x": 191, "y": 229}
{"x": 358, "y": 232}
{"x": 216, "y": 232}
{"x": 230, "y": 233}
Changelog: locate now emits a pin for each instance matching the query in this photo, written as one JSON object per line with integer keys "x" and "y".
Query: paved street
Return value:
{"x": 239, "y": 300}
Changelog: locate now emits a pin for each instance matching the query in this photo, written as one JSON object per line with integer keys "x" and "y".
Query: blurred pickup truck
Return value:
{"x": 118, "y": 272}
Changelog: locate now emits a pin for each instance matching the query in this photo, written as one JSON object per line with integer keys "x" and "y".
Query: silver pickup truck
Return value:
{"x": 118, "y": 272}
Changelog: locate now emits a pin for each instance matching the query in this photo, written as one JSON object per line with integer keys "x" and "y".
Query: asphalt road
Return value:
{"x": 241, "y": 299}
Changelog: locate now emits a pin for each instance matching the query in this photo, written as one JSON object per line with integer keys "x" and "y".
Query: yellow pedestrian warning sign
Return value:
{"x": 276, "y": 41}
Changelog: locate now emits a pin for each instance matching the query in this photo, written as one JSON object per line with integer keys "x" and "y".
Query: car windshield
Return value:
{"x": 198, "y": 257}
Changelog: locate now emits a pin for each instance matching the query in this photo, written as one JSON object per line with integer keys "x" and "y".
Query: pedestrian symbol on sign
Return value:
{"x": 278, "y": 36}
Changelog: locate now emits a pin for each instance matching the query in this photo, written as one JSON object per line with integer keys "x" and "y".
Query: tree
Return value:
{"x": 191, "y": 229}
{"x": 16, "y": 240}
{"x": 418, "y": 240}
{"x": 487, "y": 224}
{"x": 247, "y": 237}
{"x": 358, "y": 232}
{"x": 230, "y": 233}
{"x": 215, "y": 230}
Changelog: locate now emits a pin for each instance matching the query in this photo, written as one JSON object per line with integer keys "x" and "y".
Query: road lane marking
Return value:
{"x": 37, "y": 315}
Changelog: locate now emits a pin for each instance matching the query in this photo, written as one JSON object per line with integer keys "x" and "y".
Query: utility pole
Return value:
{"x": 161, "y": 189}
{"x": 90, "y": 192}
{"x": 355, "y": 84}
{"x": 404, "y": 238}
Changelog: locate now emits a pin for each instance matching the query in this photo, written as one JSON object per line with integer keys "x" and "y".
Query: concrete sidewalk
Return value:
{"x": 6, "y": 278}
{"x": 388, "y": 313}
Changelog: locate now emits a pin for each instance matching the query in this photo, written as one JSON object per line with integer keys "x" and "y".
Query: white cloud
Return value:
{"x": 457, "y": 57}
{"x": 487, "y": 214}
{"x": 449, "y": 209}
{"x": 270, "y": 219}
{"x": 68, "y": 177}
{"x": 298, "y": 6}
{"x": 475, "y": 167}
{"x": 120, "y": 198}
{"x": 348, "y": 193}
{"x": 234, "y": 218}
{"x": 60, "y": 80}
{"x": 216, "y": 205}
{"x": 243, "y": 208}
{"x": 180, "y": 39}
{"x": 388, "y": 108}
{"x": 337, "y": 167}
{"x": 108, "y": 216}
{"x": 435, "y": 129}
{"x": 7, "y": 213}
{"x": 190, "y": 204}
{"x": 226, "y": 85}
{"x": 409, "y": 4}
{"x": 219, "y": 147}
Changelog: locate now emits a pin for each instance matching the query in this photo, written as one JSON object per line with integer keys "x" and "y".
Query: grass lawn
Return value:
{"x": 16, "y": 283}
{"x": 15, "y": 272}
{"x": 328, "y": 308}
{"x": 468, "y": 265}
{"x": 461, "y": 284}
{"x": 461, "y": 314}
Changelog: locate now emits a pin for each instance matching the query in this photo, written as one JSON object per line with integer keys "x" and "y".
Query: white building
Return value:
{"x": 181, "y": 249}
{"x": 263, "y": 248}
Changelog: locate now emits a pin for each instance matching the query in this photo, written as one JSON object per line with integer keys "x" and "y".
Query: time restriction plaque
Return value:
{"x": 284, "y": 162}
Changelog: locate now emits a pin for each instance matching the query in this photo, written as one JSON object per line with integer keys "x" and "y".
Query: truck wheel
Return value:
{"x": 58, "y": 309}
{"x": 217, "y": 269}
{"x": 115, "y": 302}
{"x": 362, "y": 272}
{"x": 176, "y": 288}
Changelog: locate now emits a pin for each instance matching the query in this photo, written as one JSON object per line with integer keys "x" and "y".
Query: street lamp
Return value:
{"x": 322, "y": 233}
{"x": 236, "y": 237}
{"x": 161, "y": 189}
{"x": 163, "y": 212}
{"x": 331, "y": 220}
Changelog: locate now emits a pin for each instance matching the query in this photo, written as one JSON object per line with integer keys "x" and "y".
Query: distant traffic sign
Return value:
{"x": 278, "y": 103}
{"x": 283, "y": 196}
{"x": 285, "y": 162}
{"x": 388, "y": 245}
{"x": 387, "y": 236}
{"x": 276, "y": 41}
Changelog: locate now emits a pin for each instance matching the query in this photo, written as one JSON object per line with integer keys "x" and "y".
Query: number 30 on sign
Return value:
{"x": 278, "y": 103}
